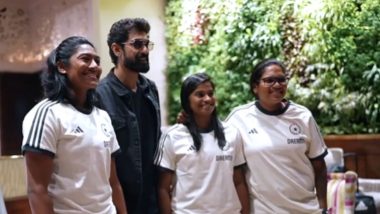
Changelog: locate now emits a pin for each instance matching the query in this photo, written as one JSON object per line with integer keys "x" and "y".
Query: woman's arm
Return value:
{"x": 320, "y": 171}
{"x": 39, "y": 168}
{"x": 241, "y": 189}
{"x": 117, "y": 192}
{"x": 164, "y": 191}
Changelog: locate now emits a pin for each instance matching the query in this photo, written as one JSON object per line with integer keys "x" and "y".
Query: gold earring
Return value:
{"x": 62, "y": 71}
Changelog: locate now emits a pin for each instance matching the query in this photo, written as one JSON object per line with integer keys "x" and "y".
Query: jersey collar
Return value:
{"x": 276, "y": 112}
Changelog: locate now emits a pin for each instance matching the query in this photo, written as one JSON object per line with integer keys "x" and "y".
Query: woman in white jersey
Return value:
{"x": 201, "y": 160}
{"x": 68, "y": 142}
{"x": 284, "y": 149}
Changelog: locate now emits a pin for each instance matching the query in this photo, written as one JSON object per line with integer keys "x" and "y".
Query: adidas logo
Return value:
{"x": 77, "y": 130}
{"x": 252, "y": 131}
{"x": 191, "y": 148}
{"x": 361, "y": 206}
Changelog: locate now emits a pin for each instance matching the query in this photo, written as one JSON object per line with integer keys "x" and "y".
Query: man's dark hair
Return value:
{"x": 120, "y": 31}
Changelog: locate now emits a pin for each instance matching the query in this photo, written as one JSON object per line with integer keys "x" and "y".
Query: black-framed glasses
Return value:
{"x": 138, "y": 44}
{"x": 270, "y": 81}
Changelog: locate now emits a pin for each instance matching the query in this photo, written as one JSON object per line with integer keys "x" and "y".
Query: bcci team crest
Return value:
{"x": 295, "y": 129}
{"x": 105, "y": 130}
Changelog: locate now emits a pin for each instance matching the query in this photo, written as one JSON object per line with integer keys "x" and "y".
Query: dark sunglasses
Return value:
{"x": 139, "y": 44}
{"x": 270, "y": 81}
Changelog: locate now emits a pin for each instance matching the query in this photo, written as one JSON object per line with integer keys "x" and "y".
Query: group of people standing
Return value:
{"x": 96, "y": 146}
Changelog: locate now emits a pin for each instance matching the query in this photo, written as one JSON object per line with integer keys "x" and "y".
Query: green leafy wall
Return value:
{"x": 330, "y": 47}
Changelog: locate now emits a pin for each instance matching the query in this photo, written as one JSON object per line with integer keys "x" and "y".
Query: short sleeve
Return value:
{"x": 239, "y": 155}
{"x": 40, "y": 128}
{"x": 114, "y": 143}
{"x": 317, "y": 144}
{"x": 165, "y": 156}
{"x": 231, "y": 119}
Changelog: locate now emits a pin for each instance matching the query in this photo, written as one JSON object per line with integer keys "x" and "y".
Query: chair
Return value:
{"x": 335, "y": 159}
{"x": 371, "y": 188}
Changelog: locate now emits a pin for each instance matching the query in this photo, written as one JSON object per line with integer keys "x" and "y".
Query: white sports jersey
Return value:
{"x": 278, "y": 149}
{"x": 81, "y": 146}
{"x": 203, "y": 179}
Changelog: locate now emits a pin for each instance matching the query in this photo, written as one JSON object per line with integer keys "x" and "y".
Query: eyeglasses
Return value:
{"x": 138, "y": 44}
{"x": 270, "y": 81}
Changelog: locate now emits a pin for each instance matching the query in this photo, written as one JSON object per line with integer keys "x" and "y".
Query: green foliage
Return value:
{"x": 330, "y": 47}
{"x": 347, "y": 34}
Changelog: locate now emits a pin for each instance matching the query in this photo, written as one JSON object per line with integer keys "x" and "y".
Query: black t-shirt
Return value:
{"x": 146, "y": 119}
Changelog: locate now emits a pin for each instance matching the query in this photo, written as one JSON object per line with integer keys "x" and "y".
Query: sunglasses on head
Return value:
{"x": 139, "y": 44}
{"x": 270, "y": 81}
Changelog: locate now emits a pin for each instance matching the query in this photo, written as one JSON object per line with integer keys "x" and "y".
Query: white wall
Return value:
{"x": 151, "y": 10}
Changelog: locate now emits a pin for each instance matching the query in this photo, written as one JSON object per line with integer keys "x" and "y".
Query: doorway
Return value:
{"x": 18, "y": 94}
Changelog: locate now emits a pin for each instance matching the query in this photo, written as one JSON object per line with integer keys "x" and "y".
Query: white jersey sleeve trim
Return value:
{"x": 39, "y": 128}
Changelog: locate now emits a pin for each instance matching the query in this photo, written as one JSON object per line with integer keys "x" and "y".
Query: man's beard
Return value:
{"x": 138, "y": 64}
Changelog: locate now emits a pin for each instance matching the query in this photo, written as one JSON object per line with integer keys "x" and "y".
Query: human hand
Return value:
{"x": 182, "y": 117}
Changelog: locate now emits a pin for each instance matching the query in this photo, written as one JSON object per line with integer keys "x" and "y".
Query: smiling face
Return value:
{"x": 136, "y": 57}
{"x": 202, "y": 100}
{"x": 83, "y": 70}
{"x": 271, "y": 88}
